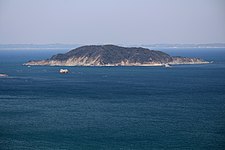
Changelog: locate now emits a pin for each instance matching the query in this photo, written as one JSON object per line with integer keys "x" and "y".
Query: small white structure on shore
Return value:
{"x": 63, "y": 71}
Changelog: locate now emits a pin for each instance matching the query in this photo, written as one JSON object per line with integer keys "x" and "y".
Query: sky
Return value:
{"x": 112, "y": 21}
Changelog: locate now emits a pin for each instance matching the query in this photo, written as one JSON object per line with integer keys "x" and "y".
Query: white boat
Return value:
{"x": 3, "y": 75}
{"x": 167, "y": 65}
{"x": 64, "y": 71}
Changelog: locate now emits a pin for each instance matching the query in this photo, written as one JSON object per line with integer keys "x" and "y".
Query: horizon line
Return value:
{"x": 110, "y": 43}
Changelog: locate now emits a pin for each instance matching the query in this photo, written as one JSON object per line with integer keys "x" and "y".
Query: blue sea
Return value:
{"x": 121, "y": 108}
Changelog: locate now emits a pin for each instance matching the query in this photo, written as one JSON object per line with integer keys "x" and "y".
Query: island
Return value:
{"x": 112, "y": 55}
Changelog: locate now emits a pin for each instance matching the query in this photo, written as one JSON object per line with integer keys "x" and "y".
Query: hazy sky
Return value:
{"x": 112, "y": 21}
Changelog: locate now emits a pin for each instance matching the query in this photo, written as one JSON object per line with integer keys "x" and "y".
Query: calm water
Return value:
{"x": 182, "y": 107}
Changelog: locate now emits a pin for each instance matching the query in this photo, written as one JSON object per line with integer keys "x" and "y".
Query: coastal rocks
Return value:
{"x": 186, "y": 60}
{"x": 112, "y": 55}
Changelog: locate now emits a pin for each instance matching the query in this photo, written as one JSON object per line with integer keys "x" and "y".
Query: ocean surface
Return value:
{"x": 125, "y": 108}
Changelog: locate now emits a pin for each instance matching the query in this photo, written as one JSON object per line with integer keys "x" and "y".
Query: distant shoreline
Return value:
{"x": 72, "y": 46}
{"x": 65, "y": 48}
{"x": 131, "y": 65}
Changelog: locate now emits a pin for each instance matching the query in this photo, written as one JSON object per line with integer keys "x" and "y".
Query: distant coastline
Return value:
{"x": 208, "y": 45}
{"x": 71, "y": 46}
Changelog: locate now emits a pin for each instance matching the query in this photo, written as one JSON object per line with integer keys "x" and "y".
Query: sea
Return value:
{"x": 112, "y": 108}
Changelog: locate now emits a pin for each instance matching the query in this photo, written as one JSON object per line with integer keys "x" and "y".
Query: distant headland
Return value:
{"x": 71, "y": 46}
{"x": 112, "y": 55}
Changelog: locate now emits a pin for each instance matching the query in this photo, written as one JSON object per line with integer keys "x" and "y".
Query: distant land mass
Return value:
{"x": 209, "y": 45}
{"x": 37, "y": 46}
{"x": 112, "y": 55}
{"x": 70, "y": 46}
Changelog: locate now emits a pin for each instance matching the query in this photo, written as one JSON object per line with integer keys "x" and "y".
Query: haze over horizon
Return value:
{"x": 112, "y": 21}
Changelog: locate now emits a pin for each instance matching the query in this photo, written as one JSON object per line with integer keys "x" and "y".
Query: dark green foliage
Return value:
{"x": 110, "y": 54}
